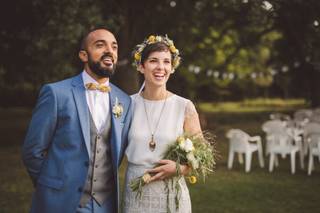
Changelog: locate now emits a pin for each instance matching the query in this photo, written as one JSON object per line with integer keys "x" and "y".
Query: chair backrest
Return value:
{"x": 279, "y": 116}
{"x": 273, "y": 126}
{"x": 315, "y": 118}
{"x": 311, "y": 128}
{"x": 280, "y": 139}
{"x": 239, "y": 140}
{"x": 316, "y": 111}
{"x": 302, "y": 114}
{"x": 313, "y": 139}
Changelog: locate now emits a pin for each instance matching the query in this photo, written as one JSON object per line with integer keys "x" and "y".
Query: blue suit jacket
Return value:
{"x": 57, "y": 145}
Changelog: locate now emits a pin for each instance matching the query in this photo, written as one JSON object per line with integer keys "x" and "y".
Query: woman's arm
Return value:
{"x": 191, "y": 120}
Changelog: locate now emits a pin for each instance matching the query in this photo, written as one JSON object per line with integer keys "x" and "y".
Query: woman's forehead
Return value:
{"x": 160, "y": 54}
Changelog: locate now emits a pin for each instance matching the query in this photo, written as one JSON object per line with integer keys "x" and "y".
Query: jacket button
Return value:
{"x": 86, "y": 163}
{"x": 80, "y": 189}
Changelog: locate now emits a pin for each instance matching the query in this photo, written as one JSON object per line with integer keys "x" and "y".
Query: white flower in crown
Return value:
{"x": 158, "y": 38}
{"x": 117, "y": 109}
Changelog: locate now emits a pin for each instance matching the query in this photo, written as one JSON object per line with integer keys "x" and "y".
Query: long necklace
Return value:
{"x": 152, "y": 142}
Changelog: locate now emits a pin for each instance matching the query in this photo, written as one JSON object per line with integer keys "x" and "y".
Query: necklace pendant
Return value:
{"x": 152, "y": 145}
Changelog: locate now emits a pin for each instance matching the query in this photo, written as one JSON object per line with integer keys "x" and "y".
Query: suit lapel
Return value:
{"x": 82, "y": 108}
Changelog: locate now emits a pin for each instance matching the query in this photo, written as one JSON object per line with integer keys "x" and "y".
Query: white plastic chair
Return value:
{"x": 314, "y": 149}
{"x": 282, "y": 143}
{"x": 308, "y": 129}
{"x": 242, "y": 143}
{"x": 270, "y": 127}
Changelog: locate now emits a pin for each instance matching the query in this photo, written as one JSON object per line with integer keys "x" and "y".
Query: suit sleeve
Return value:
{"x": 40, "y": 132}
{"x": 126, "y": 128}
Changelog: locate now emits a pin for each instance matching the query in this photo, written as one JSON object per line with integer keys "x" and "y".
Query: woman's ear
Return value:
{"x": 83, "y": 56}
{"x": 140, "y": 68}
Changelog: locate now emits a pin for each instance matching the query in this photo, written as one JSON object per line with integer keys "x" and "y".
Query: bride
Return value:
{"x": 159, "y": 117}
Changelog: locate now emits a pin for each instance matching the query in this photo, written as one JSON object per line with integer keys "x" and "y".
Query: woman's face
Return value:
{"x": 157, "y": 68}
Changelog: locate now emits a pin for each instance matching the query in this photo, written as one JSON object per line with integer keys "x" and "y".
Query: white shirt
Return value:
{"x": 97, "y": 101}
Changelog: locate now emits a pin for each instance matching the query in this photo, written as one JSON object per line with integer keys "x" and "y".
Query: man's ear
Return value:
{"x": 83, "y": 55}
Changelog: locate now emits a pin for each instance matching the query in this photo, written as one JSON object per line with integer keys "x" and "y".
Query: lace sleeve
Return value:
{"x": 191, "y": 120}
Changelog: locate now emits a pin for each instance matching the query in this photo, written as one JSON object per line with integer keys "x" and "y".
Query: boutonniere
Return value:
{"x": 117, "y": 109}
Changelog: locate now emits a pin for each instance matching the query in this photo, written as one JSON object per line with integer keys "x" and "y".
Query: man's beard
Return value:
{"x": 96, "y": 67}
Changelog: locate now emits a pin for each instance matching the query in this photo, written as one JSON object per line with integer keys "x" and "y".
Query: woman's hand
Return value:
{"x": 166, "y": 170}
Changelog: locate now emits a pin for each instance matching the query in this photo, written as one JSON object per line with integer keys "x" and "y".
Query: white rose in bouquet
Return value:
{"x": 188, "y": 145}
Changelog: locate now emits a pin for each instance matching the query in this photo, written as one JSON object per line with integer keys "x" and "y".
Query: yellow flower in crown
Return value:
{"x": 192, "y": 179}
{"x": 176, "y": 62}
{"x": 173, "y": 49}
{"x": 137, "y": 56}
{"x": 151, "y": 39}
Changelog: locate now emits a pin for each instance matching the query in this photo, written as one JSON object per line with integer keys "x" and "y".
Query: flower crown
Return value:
{"x": 137, "y": 53}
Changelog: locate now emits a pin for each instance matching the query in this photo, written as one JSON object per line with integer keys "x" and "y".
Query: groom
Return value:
{"x": 77, "y": 135}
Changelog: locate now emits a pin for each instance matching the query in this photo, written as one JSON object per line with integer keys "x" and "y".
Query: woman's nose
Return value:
{"x": 160, "y": 65}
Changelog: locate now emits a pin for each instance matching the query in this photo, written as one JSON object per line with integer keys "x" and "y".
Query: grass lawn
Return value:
{"x": 225, "y": 191}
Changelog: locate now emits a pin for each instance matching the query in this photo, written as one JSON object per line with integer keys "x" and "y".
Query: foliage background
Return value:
{"x": 232, "y": 49}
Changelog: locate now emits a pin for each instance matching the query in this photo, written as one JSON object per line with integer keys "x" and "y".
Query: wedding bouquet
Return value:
{"x": 195, "y": 151}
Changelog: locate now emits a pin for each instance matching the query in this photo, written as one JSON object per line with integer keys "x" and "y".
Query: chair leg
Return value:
{"x": 260, "y": 155}
{"x": 230, "y": 159}
{"x": 248, "y": 161}
{"x": 293, "y": 162}
{"x": 267, "y": 148}
{"x": 276, "y": 160}
{"x": 240, "y": 158}
{"x": 301, "y": 159}
{"x": 310, "y": 165}
{"x": 271, "y": 161}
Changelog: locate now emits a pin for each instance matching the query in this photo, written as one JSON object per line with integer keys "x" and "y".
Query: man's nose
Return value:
{"x": 108, "y": 49}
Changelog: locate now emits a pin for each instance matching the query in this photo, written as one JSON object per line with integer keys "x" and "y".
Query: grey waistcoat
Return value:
{"x": 100, "y": 183}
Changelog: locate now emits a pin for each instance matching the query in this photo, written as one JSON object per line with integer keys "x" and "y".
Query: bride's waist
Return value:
{"x": 139, "y": 167}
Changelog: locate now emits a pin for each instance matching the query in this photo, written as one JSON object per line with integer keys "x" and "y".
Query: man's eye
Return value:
{"x": 99, "y": 45}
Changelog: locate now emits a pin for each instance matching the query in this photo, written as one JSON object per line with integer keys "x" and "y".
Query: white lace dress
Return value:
{"x": 140, "y": 158}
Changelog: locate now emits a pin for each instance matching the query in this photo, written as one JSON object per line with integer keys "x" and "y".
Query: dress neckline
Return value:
{"x": 156, "y": 101}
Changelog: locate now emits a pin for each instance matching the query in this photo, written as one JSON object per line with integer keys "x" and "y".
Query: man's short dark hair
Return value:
{"x": 83, "y": 42}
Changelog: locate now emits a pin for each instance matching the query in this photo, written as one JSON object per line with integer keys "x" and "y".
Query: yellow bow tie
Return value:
{"x": 100, "y": 87}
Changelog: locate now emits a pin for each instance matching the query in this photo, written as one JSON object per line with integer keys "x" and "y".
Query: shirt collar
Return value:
{"x": 88, "y": 79}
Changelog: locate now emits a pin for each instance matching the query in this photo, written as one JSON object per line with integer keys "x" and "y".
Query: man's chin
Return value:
{"x": 105, "y": 73}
